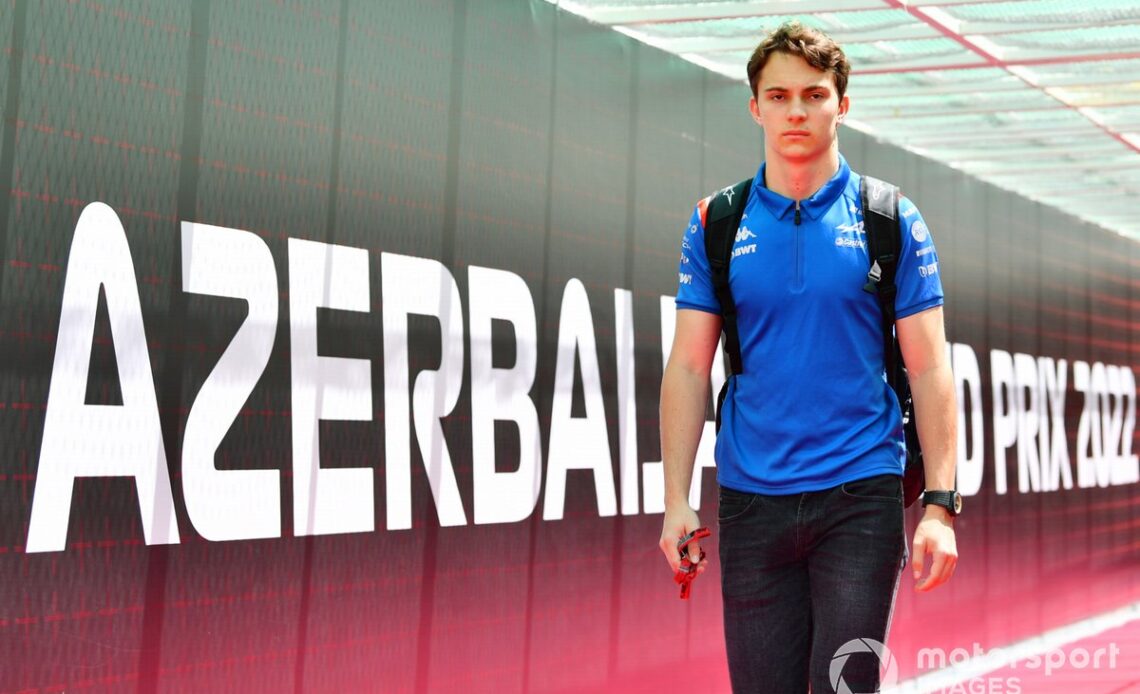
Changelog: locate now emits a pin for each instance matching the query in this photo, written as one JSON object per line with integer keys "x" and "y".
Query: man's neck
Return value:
{"x": 799, "y": 180}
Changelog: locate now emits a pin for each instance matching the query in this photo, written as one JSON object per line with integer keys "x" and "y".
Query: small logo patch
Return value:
{"x": 919, "y": 231}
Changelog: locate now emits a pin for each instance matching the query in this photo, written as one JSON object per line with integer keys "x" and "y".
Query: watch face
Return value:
{"x": 957, "y": 503}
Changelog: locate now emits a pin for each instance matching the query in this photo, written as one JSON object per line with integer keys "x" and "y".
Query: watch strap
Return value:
{"x": 943, "y": 498}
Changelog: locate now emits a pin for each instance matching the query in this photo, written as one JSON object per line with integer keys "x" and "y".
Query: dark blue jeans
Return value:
{"x": 803, "y": 574}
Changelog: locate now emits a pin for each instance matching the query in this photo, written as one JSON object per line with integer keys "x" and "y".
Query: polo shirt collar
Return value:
{"x": 813, "y": 207}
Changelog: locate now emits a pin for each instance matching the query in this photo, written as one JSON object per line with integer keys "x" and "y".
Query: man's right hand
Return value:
{"x": 680, "y": 520}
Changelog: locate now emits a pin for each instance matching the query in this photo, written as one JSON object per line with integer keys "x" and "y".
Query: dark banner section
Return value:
{"x": 331, "y": 337}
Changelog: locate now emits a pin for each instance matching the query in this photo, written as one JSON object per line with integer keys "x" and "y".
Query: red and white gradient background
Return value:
{"x": 502, "y": 135}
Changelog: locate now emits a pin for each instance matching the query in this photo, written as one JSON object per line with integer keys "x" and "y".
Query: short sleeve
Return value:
{"x": 694, "y": 283}
{"x": 918, "y": 275}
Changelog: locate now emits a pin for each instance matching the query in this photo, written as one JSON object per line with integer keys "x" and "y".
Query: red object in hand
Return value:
{"x": 688, "y": 571}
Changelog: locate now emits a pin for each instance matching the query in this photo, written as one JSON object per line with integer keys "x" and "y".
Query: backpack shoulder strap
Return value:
{"x": 884, "y": 242}
{"x": 725, "y": 210}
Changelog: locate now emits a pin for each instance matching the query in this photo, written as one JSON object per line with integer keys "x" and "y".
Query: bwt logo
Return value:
{"x": 744, "y": 250}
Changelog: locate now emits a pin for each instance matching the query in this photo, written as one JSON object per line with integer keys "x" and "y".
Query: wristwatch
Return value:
{"x": 950, "y": 500}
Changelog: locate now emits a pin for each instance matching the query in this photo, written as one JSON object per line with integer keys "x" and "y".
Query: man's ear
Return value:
{"x": 754, "y": 109}
{"x": 844, "y": 105}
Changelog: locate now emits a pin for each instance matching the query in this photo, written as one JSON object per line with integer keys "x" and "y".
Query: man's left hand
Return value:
{"x": 934, "y": 535}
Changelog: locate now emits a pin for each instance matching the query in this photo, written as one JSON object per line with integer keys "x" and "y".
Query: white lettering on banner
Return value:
{"x": 1033, "y": 418}
{"x": 230, "y": 504}
{"x": 1092, "y": 470}
{"x": 626, "y": 400}
{"x": 1104, "y": 432}
{"x": 1056, "y": 470}
{"x": 83, "y": 440}
{"x": 503, "y": 395}
{"x": 1127, "y": 391}
{"x": 422, "y": 287}
{"x": 339, "y": 500}
{"x": 1028, "y": 394}
{"x": 968, "y": 381}
{"x": 1028, "y": 402}
{"x": 1004, "y": 413}
{"x": 577, "y": 443}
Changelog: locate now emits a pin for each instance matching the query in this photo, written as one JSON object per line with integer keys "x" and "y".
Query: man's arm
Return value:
{"x": 684, "y": 399}
{"x": 922, "y": 339}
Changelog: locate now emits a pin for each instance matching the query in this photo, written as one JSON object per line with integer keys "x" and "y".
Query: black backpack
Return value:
{"x": 881, "y": 224}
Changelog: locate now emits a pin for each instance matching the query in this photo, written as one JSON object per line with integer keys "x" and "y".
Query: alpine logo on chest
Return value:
{"x": 848, "y": 235}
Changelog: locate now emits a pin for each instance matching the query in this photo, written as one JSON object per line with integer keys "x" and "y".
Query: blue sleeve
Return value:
{"x": 918, "y": 275}
{"x": 694, "y": 281}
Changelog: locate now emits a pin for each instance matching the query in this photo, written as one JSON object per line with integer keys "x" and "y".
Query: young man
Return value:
{"x": 810, "y": 452}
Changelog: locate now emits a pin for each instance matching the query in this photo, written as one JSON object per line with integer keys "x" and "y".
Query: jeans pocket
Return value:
{"x": 886, "y": 488}
{"x": 732, "y": 505}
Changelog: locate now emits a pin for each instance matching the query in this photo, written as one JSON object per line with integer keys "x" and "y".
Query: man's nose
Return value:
{"x": 797, "y": 112}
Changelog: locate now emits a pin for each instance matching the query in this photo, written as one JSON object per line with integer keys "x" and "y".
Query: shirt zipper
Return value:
{"x": 799, "y": 281}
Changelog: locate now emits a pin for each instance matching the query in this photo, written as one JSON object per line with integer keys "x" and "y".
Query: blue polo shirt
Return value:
{"x": 812, "y": 409}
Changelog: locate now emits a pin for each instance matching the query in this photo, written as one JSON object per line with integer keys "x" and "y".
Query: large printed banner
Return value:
{"x": 330, "y": 344}
{"x": 1027, "y": 407}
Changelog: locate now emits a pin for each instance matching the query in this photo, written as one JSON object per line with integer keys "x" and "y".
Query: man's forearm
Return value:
{"x": 684, "y": 398}
{"x": 936, "y": 410}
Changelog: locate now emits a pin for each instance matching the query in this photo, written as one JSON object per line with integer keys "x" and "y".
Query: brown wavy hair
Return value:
{"x": 817, "y": 48}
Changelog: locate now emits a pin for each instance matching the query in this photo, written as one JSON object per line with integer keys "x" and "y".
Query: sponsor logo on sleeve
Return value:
{"x": 684, "y": 278}
{"x": 692, "y": 228}
{"x": 919, "y": 231}
{"x": 929, "y": 270}
{"x": 909, "y": 212}
{"x": 924, "y": 251}
{"x": 684, "y": 259}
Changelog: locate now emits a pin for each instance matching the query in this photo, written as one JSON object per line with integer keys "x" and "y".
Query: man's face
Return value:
{"x": 798, "y": 108}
